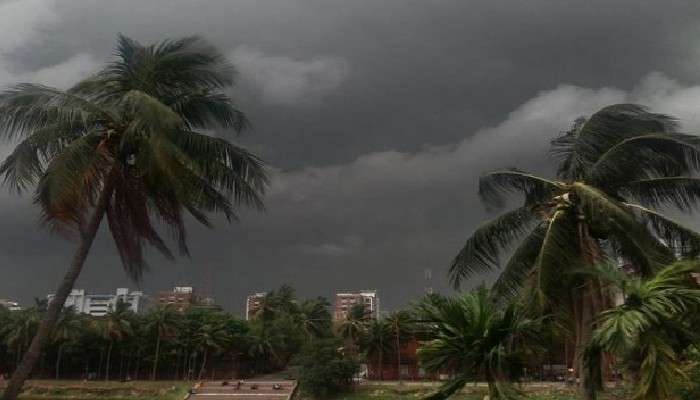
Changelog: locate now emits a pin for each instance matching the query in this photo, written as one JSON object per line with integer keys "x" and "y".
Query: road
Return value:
{"x": 249, "y": 390}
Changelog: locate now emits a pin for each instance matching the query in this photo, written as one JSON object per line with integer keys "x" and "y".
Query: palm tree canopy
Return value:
{"x": 617, "y": 169}
{"x": 475, "y": 334}
{"x": 137, "y": 129}
{"x": 651, "y": 328}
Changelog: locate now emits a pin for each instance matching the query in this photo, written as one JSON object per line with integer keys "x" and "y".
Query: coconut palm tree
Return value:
{"x": 376, "y": 342}
{"x": 22, "y": 326}
{"x": 476, "y": 335}
{"x": 650, "y": 329}
{"x": 129, "y": 143}
{"x": 161, "y": 323}
{"x": 210, "y": 336}
{"x": 67, "y": 330}
{"x": 401, "y": 323}
{"x": 353, "y": 326}
{"x": 617, "y": 169}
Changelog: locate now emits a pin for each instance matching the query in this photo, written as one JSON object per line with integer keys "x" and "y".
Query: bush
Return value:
{"x": 326, "y": 368}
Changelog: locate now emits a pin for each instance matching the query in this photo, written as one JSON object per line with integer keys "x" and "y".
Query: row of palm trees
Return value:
{"x": 164, "y": 343}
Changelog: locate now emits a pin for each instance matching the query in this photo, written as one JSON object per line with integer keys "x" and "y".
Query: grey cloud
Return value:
{"x": 415, "y": 100}
{"x": 282, "y": 80}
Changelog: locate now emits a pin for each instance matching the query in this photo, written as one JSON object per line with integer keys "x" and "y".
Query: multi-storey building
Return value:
{"x": 253, "y": 303}
{"x": 181, "y": 298}
{"x": 98, "y": 305}
{"x": 345, "y": 301}
{"x": 10, "y": 305}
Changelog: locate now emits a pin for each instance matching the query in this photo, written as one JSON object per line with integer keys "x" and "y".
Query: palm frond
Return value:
{"x": 495, "y": 187}
{"x": 520, "y": 264}
{"x": 580, "y": 147}
{"x": 25, "y": 165}
{"x": 681, "y": 192}
{"x": 70, "y": 183}
{"x": 206, "y": 110}
{"x": 646, "y": 156}
{"x": 684, "y": 241}
{"x": 27, "y": 107}
{"x": 558, "y": 254}
{"x": 481, "y": 251}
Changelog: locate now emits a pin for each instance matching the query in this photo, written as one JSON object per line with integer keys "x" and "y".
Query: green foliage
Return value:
{"x": 652, "y": 329}
{"x": 137, "y": 130}
{"x": 476, "y": 336}
{"x": 164, "y": 343}
{"x": 326, "y": 368}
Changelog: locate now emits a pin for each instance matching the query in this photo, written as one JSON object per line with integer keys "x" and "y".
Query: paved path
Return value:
{"x": 250, "y": 390}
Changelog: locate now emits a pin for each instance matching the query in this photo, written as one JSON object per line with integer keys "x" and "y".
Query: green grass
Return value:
{"x": 70, "y": 390}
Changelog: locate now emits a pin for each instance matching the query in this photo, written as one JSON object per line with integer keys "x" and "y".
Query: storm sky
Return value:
{"x": 375, "y": 117}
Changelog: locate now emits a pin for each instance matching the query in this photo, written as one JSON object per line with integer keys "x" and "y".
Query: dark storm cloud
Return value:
{"x": 373, "y": 114}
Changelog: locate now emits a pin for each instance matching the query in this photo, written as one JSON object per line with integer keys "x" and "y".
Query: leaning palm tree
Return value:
{"x": 617, "y": 170}
{"x": 476, "y": 335}
{"x": 650, "y": 329}
{"x": 129, "y": 143}
{"x": 161, "y": 323}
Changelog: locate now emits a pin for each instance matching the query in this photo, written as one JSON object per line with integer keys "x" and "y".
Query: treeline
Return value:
{"x": 166, "y": 344}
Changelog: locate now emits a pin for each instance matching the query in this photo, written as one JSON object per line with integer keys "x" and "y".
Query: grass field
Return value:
{"x": 135, "y": 390}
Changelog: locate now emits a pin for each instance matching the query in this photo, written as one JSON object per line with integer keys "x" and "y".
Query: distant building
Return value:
{"x": 345, "y": 301}
{"x": 98, "y": 305}
{"x": 10, "y": 305}
{"x": 253, "y": 304}
{"x": 181, "y": 297}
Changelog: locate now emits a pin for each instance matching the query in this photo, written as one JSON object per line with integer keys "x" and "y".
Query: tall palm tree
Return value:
{"x": 161, "y": 323}
{"x": 616, "y": 171}
{"x": 401, "y": 324}
{"x": 128, "y": 143}
{"x": 376, "y": 342}
{"x": 650, "y": 329}
{"x": 23, "y": 325}
{"x": 66, "y": 331}
{"x": 210, "y": 336}
{"x": 353, "y": 326}
{"x": 115, "y": 326}
{"x": 476, "y": 335}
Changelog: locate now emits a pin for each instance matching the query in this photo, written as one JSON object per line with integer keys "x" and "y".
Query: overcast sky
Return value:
{"x": 377, "y": 118}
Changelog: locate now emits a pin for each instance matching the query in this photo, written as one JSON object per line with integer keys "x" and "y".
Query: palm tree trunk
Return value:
{"x": 155, "y": 360}
{"x": 398, "y": 352}
{"x": 590, "y": 305}
{"x": 109, "y": 359}
{"x": 58, "y": 360}
{"x": 99, "y": 364}
{"x": 121, "y": 363}
{"x": 87, "y": 236}
{"x": 204, "y": 363}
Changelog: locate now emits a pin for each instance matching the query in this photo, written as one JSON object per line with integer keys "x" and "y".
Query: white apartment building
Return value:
{"x": 345, "y": 301}
{"x": 98, "y": 305}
